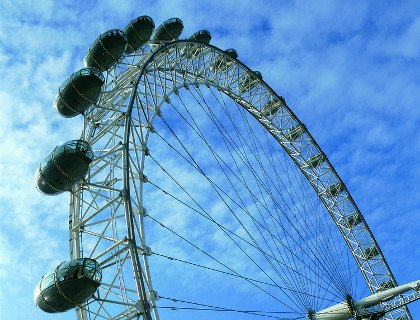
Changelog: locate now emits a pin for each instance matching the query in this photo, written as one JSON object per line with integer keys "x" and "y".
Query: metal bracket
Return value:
{"x": 147, "y": 251}
{"x": 143, "y": 177}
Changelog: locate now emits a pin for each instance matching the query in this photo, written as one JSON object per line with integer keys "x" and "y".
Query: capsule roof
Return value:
{"x": 79, "y": 92}
{"x": 107, "y": 50}
{"x": 169, "y": 30}
{"x": 138, "y": 32}
{"x": 69, "y": 284}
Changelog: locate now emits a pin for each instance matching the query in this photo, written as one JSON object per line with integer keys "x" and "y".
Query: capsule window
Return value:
{"x": 47, "y": 281}
{"x": 62, "y": 273}
{"x": 45, "y": 162}
{"x": 37, "y": 289}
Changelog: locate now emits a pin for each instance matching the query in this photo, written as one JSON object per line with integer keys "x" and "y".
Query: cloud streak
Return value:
{"x": 349, "y": 71}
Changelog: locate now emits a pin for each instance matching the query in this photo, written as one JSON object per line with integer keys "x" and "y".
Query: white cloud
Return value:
{"x": 348, "y": 70}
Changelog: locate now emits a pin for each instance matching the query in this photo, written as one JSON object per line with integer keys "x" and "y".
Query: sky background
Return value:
{"x": 350, "y": 70}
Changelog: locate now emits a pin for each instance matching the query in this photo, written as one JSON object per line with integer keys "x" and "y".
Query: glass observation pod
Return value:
{"x": 79, "y": 92}
{"x": 168, "y": 31}
{"x": 138, "y": 32}
{"x": 63, "y": 167}
{"x": 221, "y": 62}
{"x": 232, "y": 53}
{"x": 202, "y": 36}
{"x": 71, "y": 283}
{"x": 249, "y": 81}
{"x": 107, "y": 50}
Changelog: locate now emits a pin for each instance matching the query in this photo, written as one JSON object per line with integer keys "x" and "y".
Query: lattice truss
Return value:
{"x": 118, "y": 128}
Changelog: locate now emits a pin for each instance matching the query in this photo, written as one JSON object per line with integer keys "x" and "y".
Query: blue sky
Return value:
{"x": 349, "y": 70}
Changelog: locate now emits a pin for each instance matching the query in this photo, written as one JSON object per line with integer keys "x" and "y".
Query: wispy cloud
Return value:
{"x": 349, "y": 70}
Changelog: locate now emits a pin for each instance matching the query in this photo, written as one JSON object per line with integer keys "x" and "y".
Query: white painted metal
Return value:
{"x": 148, "y": 78}
{"x": 386, "y": 295}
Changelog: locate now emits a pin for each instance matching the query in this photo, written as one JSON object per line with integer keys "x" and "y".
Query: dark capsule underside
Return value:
{"x": 66, "y": 165}
{"x": 53, "y": 299}
{"x": 79, "y": 92}
{"x": 107, "y": 50}
{"x": 71, "y": 283}
{"x": 138, "y": 32}
{"x": 169, "y": 30}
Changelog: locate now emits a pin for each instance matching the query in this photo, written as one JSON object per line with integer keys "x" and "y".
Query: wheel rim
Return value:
{"x": 119, "y": 128}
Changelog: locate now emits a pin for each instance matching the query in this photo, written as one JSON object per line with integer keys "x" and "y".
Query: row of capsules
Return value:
{"x": 73, "y": 282}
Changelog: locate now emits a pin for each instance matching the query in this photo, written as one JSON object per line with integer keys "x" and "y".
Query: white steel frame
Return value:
{"x": 118, "y": 127}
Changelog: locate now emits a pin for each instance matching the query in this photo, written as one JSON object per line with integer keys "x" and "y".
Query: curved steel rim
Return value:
{"x": 372, "y": 281}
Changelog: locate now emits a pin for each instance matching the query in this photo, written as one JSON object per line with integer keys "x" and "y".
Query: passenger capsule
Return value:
{"x": 202, "y": 36}
{"x": 192, "y": 50}
{"x": 232, "y": 53}
{"x": 385, "y": 285}
{"x": 107, "y": 50}
{"x": 354, "y": 219}
{"x": 222, "y": 62}
{"x": 295, "y": 132}
{"x": 249, "y": 81}
{"x": 63, "y": 167}
{"x": 316, "y": 160}
{"x": 169, "y": 30}
{"x": 79, "y": 92}
{"x": 138, "y": 32}
{"x": 71, "y": 283}
{"x": 272, "y": 106}
{"x": 370, "y": 253}
{"x": 334, "y": 189}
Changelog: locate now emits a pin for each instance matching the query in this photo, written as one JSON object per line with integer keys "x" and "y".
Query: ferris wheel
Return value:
{"x": 192, "y": 172}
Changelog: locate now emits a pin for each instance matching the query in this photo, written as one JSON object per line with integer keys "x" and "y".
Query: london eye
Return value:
{"x": 196, "y": 192}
